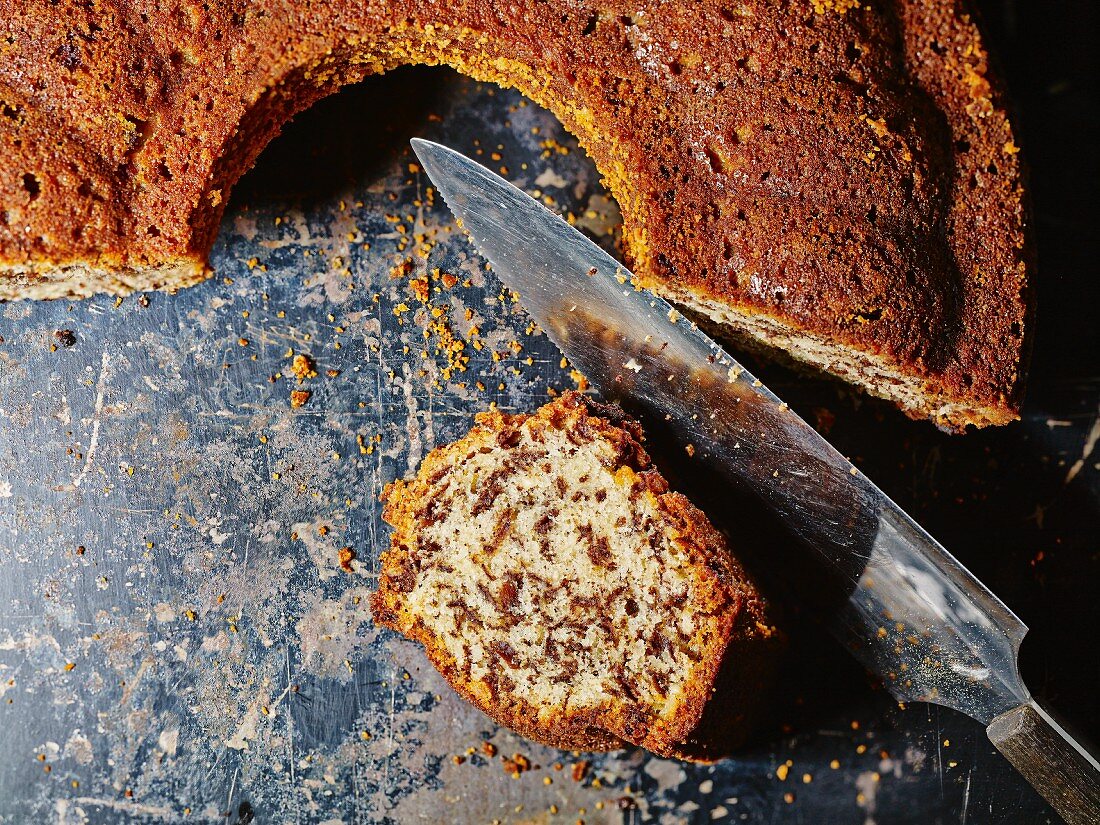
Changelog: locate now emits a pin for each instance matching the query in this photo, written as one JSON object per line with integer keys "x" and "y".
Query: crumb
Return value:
{"x": 489, "y": 748}
{"x": 65, "y": 337}
{"x": 299, "y": 398}
{"x": 347, "y": 556}
{"x": 419, "y": 287}
{"x": 517, "y": 765}
{"x": 580, "y": 770}
{"x": 303, "y": 367}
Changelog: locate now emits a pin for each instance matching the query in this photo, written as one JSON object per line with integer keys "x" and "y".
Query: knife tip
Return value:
{"x": 426, "y": 149}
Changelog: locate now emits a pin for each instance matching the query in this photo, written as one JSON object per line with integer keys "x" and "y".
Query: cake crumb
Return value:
{"x": 347, "y": 556}
{"x": 517, "y": 765}
{"x": 303, "y": 367}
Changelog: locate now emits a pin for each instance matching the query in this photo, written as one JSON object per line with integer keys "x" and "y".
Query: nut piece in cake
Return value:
{"x": 561, "y": 588}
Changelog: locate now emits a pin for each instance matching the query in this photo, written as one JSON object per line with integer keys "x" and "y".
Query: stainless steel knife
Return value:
{"x": 910, "y": 612}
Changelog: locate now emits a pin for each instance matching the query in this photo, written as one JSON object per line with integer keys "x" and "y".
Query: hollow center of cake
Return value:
{"x": 554, "y": 577}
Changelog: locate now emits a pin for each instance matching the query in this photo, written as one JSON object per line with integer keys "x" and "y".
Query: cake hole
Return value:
{"x": 164, "y": 171}
{"x": 962, "y": 146}
{"x": 717, "y": 164}
{"x": 869, "y": 315}
{"x": 1016, "y": 329}
{"x": 68, "y": 55}
{"x": 853, "y": 52}
{"x": 666, "y": 265}
{"x": 590, "y": 25}
{"x": 31, "y": 184}
{"x": 872, "y": 215}
{"x": 153, "y": 231}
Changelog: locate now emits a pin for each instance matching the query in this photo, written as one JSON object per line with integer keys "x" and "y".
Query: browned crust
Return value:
{"x": 727, "y": 594}
{"x": 846, "y": 170}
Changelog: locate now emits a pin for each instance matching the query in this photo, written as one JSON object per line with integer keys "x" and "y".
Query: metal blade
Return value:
{"x": 910, "y": 611}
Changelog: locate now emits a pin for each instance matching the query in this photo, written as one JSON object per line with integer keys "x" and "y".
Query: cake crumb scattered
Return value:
{"x": 303, "y": 367}
{"x": 347, "y": 556}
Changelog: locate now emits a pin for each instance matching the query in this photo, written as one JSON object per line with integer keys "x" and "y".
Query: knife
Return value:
{"x": 910, "y": 612}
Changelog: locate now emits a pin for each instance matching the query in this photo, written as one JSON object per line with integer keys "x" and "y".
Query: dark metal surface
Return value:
{"x": 224, "y": 668}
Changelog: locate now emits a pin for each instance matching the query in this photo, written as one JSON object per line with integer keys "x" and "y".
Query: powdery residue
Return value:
{"x": 333, "y": 632}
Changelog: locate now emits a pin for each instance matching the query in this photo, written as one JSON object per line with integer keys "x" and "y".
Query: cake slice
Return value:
{"x": 560, "y": 586}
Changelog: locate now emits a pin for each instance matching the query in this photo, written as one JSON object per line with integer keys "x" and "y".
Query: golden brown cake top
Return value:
{"x": 844, "y": 168}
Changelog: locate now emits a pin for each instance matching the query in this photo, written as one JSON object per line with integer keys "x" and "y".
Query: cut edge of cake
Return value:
{"x": 916, "y": 395}
{"x": 734, "y": 616}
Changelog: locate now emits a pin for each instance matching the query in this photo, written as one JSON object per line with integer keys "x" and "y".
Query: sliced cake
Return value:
{"x": 836, "y": 180}
{"x": 563, "y": 589}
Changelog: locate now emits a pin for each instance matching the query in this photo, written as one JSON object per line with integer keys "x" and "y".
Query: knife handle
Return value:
{"x": 1051, "y": 760}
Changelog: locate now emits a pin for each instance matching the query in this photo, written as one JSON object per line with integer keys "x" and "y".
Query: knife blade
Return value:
{"x": 911, "y": 613}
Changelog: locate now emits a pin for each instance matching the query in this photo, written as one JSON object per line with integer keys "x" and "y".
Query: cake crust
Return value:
{"x": 833, "y": 178}
{"x": 662, "y": 714}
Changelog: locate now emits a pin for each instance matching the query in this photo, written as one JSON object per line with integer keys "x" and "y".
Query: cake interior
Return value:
{"x": 553, "y": 573}
{"x": 873, "y": 374}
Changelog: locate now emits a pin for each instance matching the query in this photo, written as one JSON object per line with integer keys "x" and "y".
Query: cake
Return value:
{"x": 560, "y": 587}
{"x": 835, "y": 180}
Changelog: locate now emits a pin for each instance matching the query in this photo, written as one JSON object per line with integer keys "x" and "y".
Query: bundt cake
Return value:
{"x": 562, "y": 589}
{"x": 834, "y": 178}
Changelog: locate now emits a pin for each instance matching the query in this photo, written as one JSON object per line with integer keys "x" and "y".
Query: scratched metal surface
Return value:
{"x": 178, "y": 639}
